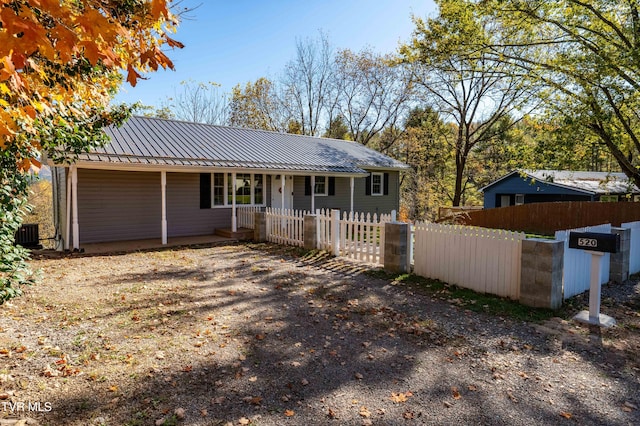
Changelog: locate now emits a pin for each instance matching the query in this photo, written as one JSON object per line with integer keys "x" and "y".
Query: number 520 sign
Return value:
{"x": 595, "y": 241}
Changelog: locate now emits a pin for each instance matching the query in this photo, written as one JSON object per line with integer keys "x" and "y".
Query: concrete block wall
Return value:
{"x": 620, "y": 262}
{"x": 396, "y": 249}
{"x": 260, "y": 227}
{"x": 310, "y": 232}
{"x": 541, "y": 273}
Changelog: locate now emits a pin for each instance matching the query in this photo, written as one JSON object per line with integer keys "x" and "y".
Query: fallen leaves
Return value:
{"x": 455, "y": 393}
{"x": 364, "y": 412}
{"x": 289, "y": 413}
{"x": 565, "y": 414}
{"x": 400, "y": 397}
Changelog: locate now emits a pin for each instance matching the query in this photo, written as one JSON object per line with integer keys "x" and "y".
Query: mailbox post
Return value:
{"x": 597, "y": 244}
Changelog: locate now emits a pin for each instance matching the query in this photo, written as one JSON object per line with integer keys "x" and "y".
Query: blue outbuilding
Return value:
{"x": 540, "y": 186}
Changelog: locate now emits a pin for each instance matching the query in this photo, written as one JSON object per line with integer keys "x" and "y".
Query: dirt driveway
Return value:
{"x": 251, "y": 334}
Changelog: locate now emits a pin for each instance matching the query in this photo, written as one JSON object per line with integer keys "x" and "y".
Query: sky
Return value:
{"x": 232, "y": 42}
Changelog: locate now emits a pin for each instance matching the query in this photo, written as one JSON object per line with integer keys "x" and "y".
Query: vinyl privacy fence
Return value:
{"x": 577, "y": 263}
{"x": 483, "y": 260}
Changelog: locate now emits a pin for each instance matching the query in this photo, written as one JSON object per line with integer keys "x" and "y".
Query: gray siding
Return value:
{"x": 115, "y": 205}
{"x": 381, "y": 204}
{"x": 184, "y": 215}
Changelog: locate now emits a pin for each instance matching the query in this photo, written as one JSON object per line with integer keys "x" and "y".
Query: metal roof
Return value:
{"x": 155, "y": 141}
{"x": 591, "y": 182}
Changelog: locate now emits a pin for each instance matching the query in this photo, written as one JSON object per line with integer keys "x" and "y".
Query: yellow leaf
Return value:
{"x": 289, "y": 413}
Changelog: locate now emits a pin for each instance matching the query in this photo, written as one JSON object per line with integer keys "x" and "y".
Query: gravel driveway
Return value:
{"x": 256, "y": 334}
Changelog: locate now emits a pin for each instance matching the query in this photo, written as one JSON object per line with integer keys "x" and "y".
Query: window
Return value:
{"x": 243, "y": 188}
{"x": 377, "y": 182}
{"x": 519, "y": 199}
{"x": 321, "y": 185}
{"x": 258, "y": 189}
{"x": 216, "y": 189}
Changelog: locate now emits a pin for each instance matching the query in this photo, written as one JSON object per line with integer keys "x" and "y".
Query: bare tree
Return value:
{"x": 308, "y": 83}
{"x": 199, "y": 102}
{"x": 373, "y": 95}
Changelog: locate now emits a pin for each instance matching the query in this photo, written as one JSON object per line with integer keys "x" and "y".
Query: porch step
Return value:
{"x": 242, "y": 234}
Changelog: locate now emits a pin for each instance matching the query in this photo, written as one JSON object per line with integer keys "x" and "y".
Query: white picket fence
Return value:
{"x": 483, "y": 260}
{"x": 577, "y": 263}
{"x": 246, "y": 216}
{"x": 634, "y": 253}
{"x": 362, "y": 236}
{"x": 324, "y": 229}
{"x": 285, "y": 226}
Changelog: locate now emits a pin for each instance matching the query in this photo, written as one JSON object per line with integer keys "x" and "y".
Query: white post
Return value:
{"x": 593, "y": 316}
{"x": 394, "y": 216}
{"x": 74, "y": 207}
{"x": 68, "y": 213}
{"x": 163, "y": 185}
{"x": 335, "y": 231}
{"x": 283, "y": 182}
{"x": 594, "y": 287}
{"x": 351, "y": 185}
{"x": 234, "y": 220}
{"x": 313, "y": 192}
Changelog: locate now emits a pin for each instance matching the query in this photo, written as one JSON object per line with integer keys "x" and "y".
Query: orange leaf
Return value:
{"x": 456, "y": 394}
{"x": 158, "y": 8}
{"x": 565, "y": 414}
{"x": 289, "y": 413}
{"x": 400, "y": 397}
{"x": 132, "y": 76}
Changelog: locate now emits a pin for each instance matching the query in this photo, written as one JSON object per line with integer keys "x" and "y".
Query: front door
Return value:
{"x": 277, "y": 190}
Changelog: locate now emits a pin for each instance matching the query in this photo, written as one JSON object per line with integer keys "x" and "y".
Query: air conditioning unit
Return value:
{"x": 28, "y": 236}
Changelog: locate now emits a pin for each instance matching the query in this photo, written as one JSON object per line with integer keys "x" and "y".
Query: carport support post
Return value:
{"x": 163, "y": 185}
{"x": 593, "y": 316}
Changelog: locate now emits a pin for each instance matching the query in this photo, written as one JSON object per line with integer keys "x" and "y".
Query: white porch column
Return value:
{"x": 74, "y": 207}
{"x": 67, "y": 213}
{"x": 234, "y": 219}
{"x": 163, "y": 185}
{"x": 283, "y": 182}
{"x": 351, "y": 183}
{"x": 313, "y": 193}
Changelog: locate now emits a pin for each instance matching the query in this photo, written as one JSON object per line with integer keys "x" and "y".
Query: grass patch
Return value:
{"x": 468, "y": 299}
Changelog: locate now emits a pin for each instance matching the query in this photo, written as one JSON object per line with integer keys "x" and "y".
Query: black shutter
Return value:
{"x": 205, "y": 190}
{"x": 307, "y": 185}
{"x": 368, "y": 185}
{"x": 332, "y": 185}
{"x": 386, "y": 184}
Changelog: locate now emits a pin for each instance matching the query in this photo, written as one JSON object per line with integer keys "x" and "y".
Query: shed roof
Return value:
{"x": 155, "y": 141}
{"x": 590, "y": 182}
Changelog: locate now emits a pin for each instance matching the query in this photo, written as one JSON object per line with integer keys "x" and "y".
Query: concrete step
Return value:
{"x": 242, "y": 234}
